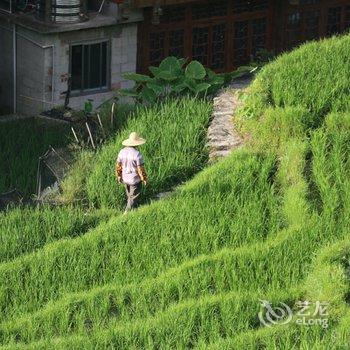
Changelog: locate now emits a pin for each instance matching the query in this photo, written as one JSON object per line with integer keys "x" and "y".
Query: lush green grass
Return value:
{"x": 22, "y": 143}
{"x": 24, "y": 230}
{"x": 175, "y": 131}
{"x": 269, "y": 222}
{"x": 194, "y": 222}
{"x": 315, "y": 77}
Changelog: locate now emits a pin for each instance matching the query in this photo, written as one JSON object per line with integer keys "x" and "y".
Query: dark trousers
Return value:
{"x": 133, "y": 195}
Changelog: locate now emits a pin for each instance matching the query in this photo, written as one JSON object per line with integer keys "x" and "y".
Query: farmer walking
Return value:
{"x": 130, "y": 169}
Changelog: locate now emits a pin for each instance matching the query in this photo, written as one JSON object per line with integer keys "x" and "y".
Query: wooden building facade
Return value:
{"x": 224, "y": 34}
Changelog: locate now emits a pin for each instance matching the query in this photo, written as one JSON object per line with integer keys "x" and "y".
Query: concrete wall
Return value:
{"x": 123, "y": 55}
{"x": 30, "y": 76}
{"x": 6, "y": 68}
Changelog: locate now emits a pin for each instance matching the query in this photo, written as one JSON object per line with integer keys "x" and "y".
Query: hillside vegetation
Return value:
{"x": 269, "y": 222}
{"x": 175, "y": 151}
{"x": 21, "y": 145}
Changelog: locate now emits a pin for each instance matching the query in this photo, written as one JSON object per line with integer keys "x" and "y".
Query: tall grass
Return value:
{"x": 175, "y": 132}
{"x": 193, "y": 223}
{"x": 271, "y": 221}
{"x": 315, "y": 77}
{"x": 24, "y": 230}
{"x": 22, "y": 143}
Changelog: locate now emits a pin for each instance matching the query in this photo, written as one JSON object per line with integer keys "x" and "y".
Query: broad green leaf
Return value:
{"x": 170, "y": 64}
{"x": 128, "y": 92}
{"x": 154, "y": 70}
{"x": 202, "y": 87}
{"x": 179, "y": 87}
{"x": 139, "y": 78}
{"x": 210, "y": 73}
{"x": 148, "y": 95}
{"x": 216, "y": 80}
{"x": 158, "y": 89}
{"x": 182, "y": 61}
{"x": 195, "y": 70}
{"x": 167, "y": 75}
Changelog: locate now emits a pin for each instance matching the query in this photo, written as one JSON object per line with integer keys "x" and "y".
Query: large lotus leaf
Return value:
{"x": 195, "y": 70}
{"x": 148, "y": 95}
{"x": 128, "y": 92}
{"x": 154, "y": 70}
{"x": 170, "y": 64}
{"x": 179, "y": 87}
{"x": 156, "y": 87}
{"x": 182, "y": 61}
{"x": 167, "y": 75}
{"x": 202, "y": 87}
{"x": 138, "y": 78}
{"x": 216, "y": 80}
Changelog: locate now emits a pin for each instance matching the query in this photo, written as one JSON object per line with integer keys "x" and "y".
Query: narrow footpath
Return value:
{"x": 222, "y": 133}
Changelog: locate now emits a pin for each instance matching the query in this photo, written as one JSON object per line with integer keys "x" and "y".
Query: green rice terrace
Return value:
{"x": 268, "y": 224}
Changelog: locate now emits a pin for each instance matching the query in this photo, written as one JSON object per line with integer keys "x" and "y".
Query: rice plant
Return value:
{"x": 269, "y": 222}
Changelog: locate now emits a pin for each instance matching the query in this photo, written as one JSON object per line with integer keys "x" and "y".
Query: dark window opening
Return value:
{"x": 200, "y": 48}
{"x": 156, "y": 48}
{"x": 209, "y": 10}
{"x": 89, "y": 66}
{"x": 334, "y": 20}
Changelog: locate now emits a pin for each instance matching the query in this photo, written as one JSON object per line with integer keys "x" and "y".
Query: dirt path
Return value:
{"x": 222, "y": 134}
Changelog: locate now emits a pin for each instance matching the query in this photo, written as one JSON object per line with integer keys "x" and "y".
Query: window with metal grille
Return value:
{"x": 176, "y": 43}
{"x": 241, "y": 40}
{"x": 241, "y": 6}
{"x": 334, "y": 20}
{"x": 89, "y": 66}
{"x": 309, "y": 2}
{"x": 173, "y": 14}
{"x": 200, "y": 44}
{"x": 347, "y": 18}
{"x": 312, "y": 20}
{"x": 156, "y": 48}
{"x": 259, "y": 35}
{"x": 208, "y": 10}
{"x": 218, "y": 47}
{"x": 293, "y": 33}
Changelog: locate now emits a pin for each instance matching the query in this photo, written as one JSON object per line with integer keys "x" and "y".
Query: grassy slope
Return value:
{"x": 24, "y": 230}
{"x": 18, "y": 161}
{"x": 269, "y": 222}
{"x": 174, "y": 152}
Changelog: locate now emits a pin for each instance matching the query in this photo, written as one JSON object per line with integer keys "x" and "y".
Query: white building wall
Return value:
{"x": 123, "y": 57}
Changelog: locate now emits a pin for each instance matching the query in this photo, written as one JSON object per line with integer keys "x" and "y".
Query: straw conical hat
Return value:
{"x": 134, "y": 140}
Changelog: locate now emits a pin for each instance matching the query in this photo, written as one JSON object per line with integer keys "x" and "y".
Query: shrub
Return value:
{"x": 175, "y": 78}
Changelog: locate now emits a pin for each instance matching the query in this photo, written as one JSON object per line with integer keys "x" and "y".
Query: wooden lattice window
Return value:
{"x": 259, "y": 35}
{"x": 200, "y": 38}
{"x": 173, "y": 14}
{"x": 209, "y": 10}
{"x": 293, "y": 29}
{"x": 218, "y": 47}
{"x": 242, "y": 6}
{"x": 241, "y": 40}
{"x": 334, "y": 20}
{"x": 347, "y": 18}
{"x": 156, "y": 48}
{"x": 312, "y": 22}
{"x": 176, "y": 43}
{"x": 309, "y": 2}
